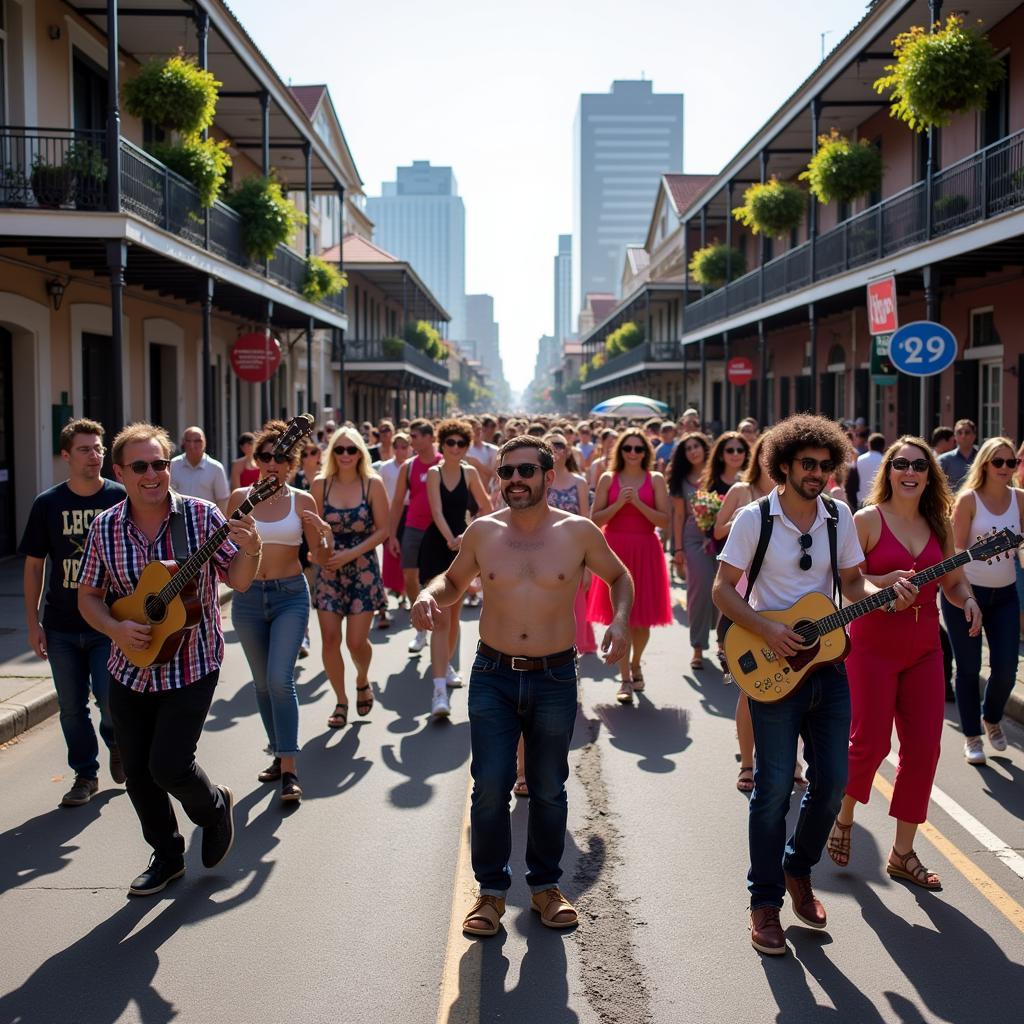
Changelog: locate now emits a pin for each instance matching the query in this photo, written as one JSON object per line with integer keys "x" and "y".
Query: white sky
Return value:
{"x": 491, "y": 89}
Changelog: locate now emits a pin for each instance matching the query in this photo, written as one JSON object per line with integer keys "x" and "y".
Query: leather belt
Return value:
{"x": 520, "y": 663}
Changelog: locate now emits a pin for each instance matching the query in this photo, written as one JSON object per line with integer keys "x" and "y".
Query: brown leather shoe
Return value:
{"x": 806, "y": 906}
{"x": 554, "y": 909}
{"x": 484, "y": 917}
{"x": 766, "y": 935}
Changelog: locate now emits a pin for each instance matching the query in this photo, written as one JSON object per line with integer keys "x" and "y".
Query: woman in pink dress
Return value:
{"x": 631, "y": 502}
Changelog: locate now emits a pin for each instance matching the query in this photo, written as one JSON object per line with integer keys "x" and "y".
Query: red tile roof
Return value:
{"x": 308, "y": 97}
{"x": 601, "y": 304}
{"x": 358, "y": 250}
{"x": 684, "y": 189}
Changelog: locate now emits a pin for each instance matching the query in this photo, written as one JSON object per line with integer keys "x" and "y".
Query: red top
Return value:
{"x": 629, "y": 519}
{"x": 417, "y": 515}
{"x": 249, "y": 476}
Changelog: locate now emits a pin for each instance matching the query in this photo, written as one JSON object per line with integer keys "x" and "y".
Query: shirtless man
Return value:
{"x": 530, "y": 558}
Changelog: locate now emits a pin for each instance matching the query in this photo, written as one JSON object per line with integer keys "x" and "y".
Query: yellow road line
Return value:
{"x": 460, "y": 976}
{"x": 995, "y": 894}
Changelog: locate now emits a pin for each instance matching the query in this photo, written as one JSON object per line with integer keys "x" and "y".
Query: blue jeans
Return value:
{"x": 819, "y": 712}
{"x": 271, "y": 619}
{"x": 1000, "y": 611}
{"x": 542, "y": 707}
{"x": 79, "y": 665}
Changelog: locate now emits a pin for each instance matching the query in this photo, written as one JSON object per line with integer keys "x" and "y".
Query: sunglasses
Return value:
{"x": 637, "y": 448}
{"x": 384, "y": 430}
{"x": 1008, "y": 463}
{"x": 559, "y": 446}
{"x": 901, "y": 465}
{"x": 735, "y": 451}
{"x": 806, "y": 540}
{"x": 525, "y": 470}
{"x": 139, "y": 466}
{"x": 456, "y": 442}
{"x": 345, "y": 449}
{"x": 266, "y": 457}
{"x": 810, "y": 465}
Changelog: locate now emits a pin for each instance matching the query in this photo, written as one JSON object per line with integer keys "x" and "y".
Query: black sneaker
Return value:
{"x": 116, "y": 767}
{"x": 272, "y": 772}
{"x": 218, "y": 839}
{"x": 81, "y": 792}
{"x": 157, "y": 876}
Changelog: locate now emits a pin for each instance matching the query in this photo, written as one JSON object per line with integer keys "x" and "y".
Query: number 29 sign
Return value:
{"x": 922, "y": 348}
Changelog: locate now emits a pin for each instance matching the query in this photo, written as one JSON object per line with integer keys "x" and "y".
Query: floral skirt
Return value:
{"x": 351, "y": 590}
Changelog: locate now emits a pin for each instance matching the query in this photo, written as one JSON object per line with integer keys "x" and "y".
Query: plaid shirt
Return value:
{"x": 117, "y": 551}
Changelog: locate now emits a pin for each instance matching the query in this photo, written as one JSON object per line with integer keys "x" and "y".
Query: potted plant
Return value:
{"x": 939, "y": 74}
{"x": 772, "y": 208}
{"x": 52, "y": 184}
{"x": 950, "y": 207}
{"x": 203, "y": 162}
{"x": 269, "y": 217}
{"x": 86, "y": 165}
{"x": 424, "y": 337}
{"x": 842, "y": 170}
{"x": 173, "y": 93}
{"x": 15, "y": 188}
{"x": 394, "y": 348}
{"x": 716, "y": 264}
{"x": 323, "y": 279}
{"x": 624, "y": 338}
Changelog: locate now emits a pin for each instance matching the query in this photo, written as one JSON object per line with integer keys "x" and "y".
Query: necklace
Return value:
{"x": 278, "y": 494}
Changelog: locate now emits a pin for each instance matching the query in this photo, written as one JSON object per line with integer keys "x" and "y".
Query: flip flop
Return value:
{"x": 363, "y": 707}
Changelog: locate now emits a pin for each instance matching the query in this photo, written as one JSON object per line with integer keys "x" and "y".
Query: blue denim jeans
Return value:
{"x": 271, "y": 619}
{"x": 79, "y": 665}
{"x": 819, "y": 712}
{"x": 542, "y": 707}
{"x": 1000, "y": 611}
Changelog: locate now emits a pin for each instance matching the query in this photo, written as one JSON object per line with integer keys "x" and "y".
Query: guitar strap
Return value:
{"x": 762, "y": 544}
{"x": 179, "y": 538}
{"x": 833, "y": 544}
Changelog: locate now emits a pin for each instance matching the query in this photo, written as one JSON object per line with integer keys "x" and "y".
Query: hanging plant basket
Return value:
{"x": 269, "y": 217}
{"x": 624, "y": 338}
{"x": 939, "y": 74}
{"x": 717, "y": 264}
{"x": 203, "y": 162}
{"x": 323, "y": 280}
{"x": 175, "y": 94}
{"x": 773, "y": 208}
{"x": 842, "y": 170}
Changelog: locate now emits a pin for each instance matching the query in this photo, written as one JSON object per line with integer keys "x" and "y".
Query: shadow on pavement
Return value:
{"x": 438, "y": 748}
{"x": 407, "y": 694}
{"x": 1007, "y": 792}
{"x": 717, "y": 697}
{"x": 652, "y": 732}
{"x": 327, "y": 769}
{"x": 40, "y": 847}
{"x": 226, "y": 711}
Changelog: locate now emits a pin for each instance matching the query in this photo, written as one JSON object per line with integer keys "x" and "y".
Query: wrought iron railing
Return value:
{"x": 52, "y": 168}
{"x": 648, "y": 352}
{"x": 982, "y": 185}
{"x": 392, "y": 350}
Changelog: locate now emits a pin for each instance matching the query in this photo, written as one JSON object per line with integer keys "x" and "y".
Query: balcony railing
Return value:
{"x": 53, "y": 168}
{"x": 390, "y": 350}
{"x": 987, "y": 183}
{"x": 648, "y": 352}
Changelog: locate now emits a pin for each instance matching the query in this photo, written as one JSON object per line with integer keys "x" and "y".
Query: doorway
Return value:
{"x": 8, "y": 538}
{"x": 163, "y": 388}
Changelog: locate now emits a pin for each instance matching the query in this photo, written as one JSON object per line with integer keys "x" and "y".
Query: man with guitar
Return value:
{"x": 792, "y": 543}
{"x": 158, "y": 712}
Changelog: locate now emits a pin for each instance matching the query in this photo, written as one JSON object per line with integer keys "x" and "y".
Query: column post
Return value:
{"x": 113, "y": 115}
{"x": 207, "y": 393}
{"x": 117, "y": 255}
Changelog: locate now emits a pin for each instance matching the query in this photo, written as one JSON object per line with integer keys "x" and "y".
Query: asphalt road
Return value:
{"x": 342, "y": 909}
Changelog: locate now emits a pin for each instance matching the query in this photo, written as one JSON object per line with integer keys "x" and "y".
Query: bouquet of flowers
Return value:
{"x": 705, "y": 506}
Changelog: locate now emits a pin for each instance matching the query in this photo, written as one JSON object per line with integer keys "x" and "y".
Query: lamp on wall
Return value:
{"x": 55, "y": 289}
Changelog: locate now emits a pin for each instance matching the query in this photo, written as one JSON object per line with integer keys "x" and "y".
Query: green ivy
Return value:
{"x": 715, "y": 264}
{"x": 843, "y": 170}
{"x": 773, "y": 208}
{"x": 269, "y": 217}
{"x": 203, "y": 162}
{"x": 323, "y": 279}
{"x": 174, "y": 93}
{"x": 939, "y": 74}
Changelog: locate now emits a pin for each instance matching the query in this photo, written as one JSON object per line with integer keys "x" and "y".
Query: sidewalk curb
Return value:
{"x": 39, "y": 701}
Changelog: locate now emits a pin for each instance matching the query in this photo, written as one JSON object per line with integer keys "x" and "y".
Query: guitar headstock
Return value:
{"x": 1004, "y": 540}
{"x": 299, "y": 428}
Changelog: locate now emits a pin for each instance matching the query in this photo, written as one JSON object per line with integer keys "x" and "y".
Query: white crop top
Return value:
{"x": 282, "y": 531}
{"x": 1003, "y": 569}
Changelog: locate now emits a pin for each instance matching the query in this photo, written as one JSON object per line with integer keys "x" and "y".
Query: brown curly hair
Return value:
{"x": 270, "y": 433}
{"x": 799, "y": 432}
{"x": 454, "y": 428}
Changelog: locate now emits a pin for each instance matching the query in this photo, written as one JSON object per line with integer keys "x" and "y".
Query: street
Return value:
{"x": 342, "y": 909}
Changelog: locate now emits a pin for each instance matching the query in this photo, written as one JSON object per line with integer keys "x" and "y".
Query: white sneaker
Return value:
{"x": 454, "y": 680}
{"x": 418, "y": 642}
{"x": 996, "y": 736}
{"x": 439, "y": 706}
{"x": 973, "y": 751}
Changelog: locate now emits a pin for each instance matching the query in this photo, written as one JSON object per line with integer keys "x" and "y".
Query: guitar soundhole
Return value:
{"x": 155, "y": 608}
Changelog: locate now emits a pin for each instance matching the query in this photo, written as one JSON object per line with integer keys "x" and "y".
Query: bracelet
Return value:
{"x": 256, "y": 556}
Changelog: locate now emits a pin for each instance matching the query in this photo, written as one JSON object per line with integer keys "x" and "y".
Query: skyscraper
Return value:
{"x": 563, "y": 289}
{"x": 623, "y": 141}
{"x": 482, "y": 331}
{"x": 420, "y": 218}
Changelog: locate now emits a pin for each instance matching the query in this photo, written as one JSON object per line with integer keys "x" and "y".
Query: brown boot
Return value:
{"x": 806, "y": 906}
{"x": 766, "y": 935}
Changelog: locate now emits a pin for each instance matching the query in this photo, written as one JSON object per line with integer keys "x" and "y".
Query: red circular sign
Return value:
{"x": 739, "y": 370}
{"x": 255, "y": 357}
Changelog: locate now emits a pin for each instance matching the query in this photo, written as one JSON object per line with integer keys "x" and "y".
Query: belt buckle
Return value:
{"x": 521, "y": 658}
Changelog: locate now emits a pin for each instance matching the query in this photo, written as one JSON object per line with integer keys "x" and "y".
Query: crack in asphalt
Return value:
{"x": 615, "y": 983}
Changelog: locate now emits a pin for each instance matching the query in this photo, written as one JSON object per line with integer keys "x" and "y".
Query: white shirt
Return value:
{"x": 781, "y": 582}
{"x": 867, "y": 469}
{"x": 388, "y": 470}
{"x": 206, "y": 480}
{"x": 485, "y": 453}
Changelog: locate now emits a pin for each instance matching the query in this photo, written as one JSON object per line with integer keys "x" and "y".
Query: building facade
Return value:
{"x": 563, "y": 289}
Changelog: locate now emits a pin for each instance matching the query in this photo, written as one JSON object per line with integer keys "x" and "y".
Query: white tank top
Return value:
{"x": 1003, "y": 570}
{"x": 282, "y": 531}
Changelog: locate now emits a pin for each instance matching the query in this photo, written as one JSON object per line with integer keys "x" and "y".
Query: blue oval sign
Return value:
{"x": 922, "y": 349}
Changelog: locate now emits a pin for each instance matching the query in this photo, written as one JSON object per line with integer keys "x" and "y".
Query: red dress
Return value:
{"x": 631, "y": 536}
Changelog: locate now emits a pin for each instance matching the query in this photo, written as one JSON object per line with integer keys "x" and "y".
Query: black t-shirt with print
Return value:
{"x": 56, "y": 528}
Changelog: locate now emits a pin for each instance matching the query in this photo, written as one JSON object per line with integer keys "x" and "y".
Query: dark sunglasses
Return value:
{"x": 266, "y": 457}
{"x": 456, "y": 442}
{"x": 139, "y": 466}
{"x": 902, "y": 465}
{"x": 638, "y": 448}
{"x": 809, "y": 465}
{"x": 345, "y": 449}
{"x": 384, "y": 430}
{"x": 735, "y": 451}
{"x": 806, "y": 540}
{"x": 559, "y": 446}
{"x": 310, "y": 451}
{"x": 525, "y": 470}
{"x": 999, "y": 463}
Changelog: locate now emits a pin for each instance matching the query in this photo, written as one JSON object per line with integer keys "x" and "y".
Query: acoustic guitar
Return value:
{"x": 166, "y": 597}
{"x": 766, "y": 676}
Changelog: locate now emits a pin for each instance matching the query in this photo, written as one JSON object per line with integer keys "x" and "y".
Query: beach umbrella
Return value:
{"x": 630, "y": 406}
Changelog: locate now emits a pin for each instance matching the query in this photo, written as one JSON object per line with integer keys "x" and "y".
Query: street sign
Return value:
{"x": 882, "y": 371}
{"x": 739, "y": 371}
{"x": 255, "y": 357}
{"x": 882, "y": 306}
{"x": 922, "y": 349}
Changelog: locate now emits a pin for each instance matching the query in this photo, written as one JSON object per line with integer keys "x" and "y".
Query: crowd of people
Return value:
{"x": 554, "y": 527}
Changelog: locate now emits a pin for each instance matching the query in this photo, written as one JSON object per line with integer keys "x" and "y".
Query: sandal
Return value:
{"x": 838, "y": 845}
{"x": 291, "y": 791}
{"x": 697, "y": 663}
{"x": 554, "y": 909}
{"x": 746, "y": 785}
{"x": 638, "y": 679}
{"x": 919, "y": 875}
{"x": 484, "y": 917}
{"x": 339, "y": 717}
{"x": 363, "y": 707}
{"x": 520, "y": 788}
{"x": 625, "y": 694}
